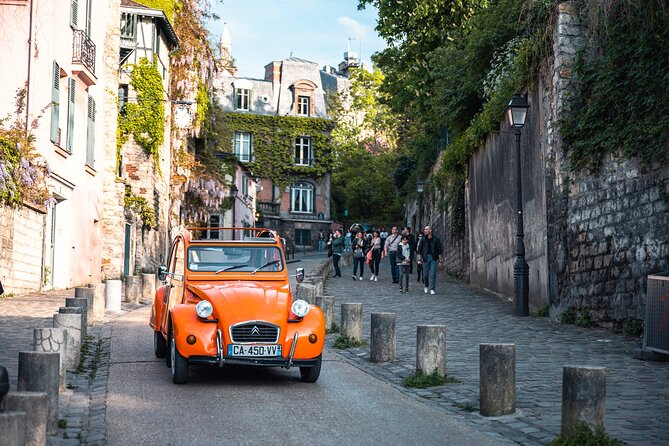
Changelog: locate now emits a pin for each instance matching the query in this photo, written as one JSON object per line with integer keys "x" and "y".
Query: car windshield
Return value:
{"x": 234, "y": 259}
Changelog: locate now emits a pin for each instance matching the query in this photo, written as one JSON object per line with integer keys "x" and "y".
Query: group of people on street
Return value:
{"x": 401, "y": 248}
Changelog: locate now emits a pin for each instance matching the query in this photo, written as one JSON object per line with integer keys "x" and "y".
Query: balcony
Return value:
{"x": 269, "y": 208}
{"x": 83, "y": 57}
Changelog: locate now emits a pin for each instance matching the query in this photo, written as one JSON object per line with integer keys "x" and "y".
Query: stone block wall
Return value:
{"x": 21, "y": 249}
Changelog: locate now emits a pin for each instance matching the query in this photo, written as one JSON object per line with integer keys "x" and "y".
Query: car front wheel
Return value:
{"x": 159, "y": 344}
{"x": 179, "y": 364}
{"x": 311, "y": 374}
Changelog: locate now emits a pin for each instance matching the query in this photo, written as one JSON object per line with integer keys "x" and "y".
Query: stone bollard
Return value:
{"x": 351, "y": 321}
{"x": 383, "y": 340}
{"x": 98, "y": 302}
{"x": 113, "y": 294}
{"x": 52, "y": 340}
{"x": 326, "y": 304}
{"x": 431, "y": 349}
{"x": 38, "y": 372}
{"x": 497, "y": 372}
{"x": 88, "y": 294}
{"x": 12, "y": 428}
{"x": 81, "y": 302}
{"x": 148, "y": 288}
{"x": 34, "y": 405}
{"x": 133, "y": 289}
{"x": 71, "y": 323}
{"x": 583, "y": 397}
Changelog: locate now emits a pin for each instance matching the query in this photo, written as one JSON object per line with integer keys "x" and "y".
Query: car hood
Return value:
{"x": 247, "y": 301}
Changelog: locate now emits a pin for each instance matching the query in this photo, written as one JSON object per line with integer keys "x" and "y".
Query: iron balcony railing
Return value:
{"x": 83, "y": 50}
{"x": 269, "y": 208}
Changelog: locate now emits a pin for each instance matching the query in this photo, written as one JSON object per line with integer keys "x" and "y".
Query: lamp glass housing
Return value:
{"x": 420, "y": 186}
{"x": 517, "y": 110}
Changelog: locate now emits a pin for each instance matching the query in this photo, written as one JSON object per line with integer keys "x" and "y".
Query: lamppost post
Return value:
{"x": 517, "y": 111}
{"x": 233, "y": 194}
{"x": 420, "y": 187}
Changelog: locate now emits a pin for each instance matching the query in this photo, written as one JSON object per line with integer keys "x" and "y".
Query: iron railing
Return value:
{"x": 83, "y": 50}
{"x": 269, "y": 208}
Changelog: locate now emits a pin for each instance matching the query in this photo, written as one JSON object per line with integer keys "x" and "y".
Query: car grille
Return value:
{"x": 254, "y": 332}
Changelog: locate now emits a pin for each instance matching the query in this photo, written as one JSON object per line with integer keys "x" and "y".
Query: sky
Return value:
{"x": 316, "y": 30}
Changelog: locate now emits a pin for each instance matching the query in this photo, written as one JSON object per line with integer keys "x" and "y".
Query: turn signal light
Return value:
{"x": 313, "y": 338}
{"x": 191, "y": 339}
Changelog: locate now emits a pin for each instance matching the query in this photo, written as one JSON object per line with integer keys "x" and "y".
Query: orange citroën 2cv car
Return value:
{"x": 228, "y": 302}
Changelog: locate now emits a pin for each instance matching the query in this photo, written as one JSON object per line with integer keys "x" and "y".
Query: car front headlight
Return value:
{"x": 300, "y": 308}
{"x": 204, "y": 309}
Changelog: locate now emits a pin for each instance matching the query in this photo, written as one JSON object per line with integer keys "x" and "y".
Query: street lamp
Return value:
{"x": 420, "y": 186}
{"x": 233, "y": 194}
{"x": 517, "y": 112}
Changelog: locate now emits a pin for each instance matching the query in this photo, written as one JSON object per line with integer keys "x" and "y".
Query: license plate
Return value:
{"x": 266, "y": 351}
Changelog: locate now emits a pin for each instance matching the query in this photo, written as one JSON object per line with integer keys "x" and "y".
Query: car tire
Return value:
{"x": 159, "y": 345}
{"x": 168, "y": 354}
{"x": 179, "y": 364}
{"x": 311, "y": 374}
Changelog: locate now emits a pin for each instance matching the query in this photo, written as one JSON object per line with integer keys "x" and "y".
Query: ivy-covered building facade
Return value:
{"x": 279, "y": 129}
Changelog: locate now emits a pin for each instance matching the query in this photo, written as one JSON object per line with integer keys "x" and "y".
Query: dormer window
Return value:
{"x": 303, "y": 94}
{"x": 303, "y": 103}
{"x": 243, "y": 96}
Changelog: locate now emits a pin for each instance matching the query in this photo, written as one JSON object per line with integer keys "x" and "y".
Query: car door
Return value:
{"x": 175, "y": 280}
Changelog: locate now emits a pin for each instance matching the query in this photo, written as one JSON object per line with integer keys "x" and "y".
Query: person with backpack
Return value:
{"x": 403, "y": 261}
{"x": 431, "y": 255}
{"x": 390, "y": 250}
{"x": 360, "y": 247}
{"x": 337, "y": 251}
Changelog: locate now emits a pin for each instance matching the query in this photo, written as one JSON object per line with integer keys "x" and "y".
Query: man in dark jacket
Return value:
{"x": 431, "y": 255}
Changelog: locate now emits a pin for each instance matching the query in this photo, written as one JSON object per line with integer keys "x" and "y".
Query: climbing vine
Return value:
{"x": 620, "y": 103}
{"x": 274, "y": 144}
{"x": 169, "y": 7}
{"x": 144, "y": 119}
{"x": 141, "y": 207}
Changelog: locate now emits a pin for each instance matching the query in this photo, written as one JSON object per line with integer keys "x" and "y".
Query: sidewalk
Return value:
{"x": 637, "y": 393}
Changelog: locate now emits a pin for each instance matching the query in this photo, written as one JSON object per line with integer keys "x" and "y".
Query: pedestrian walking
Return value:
{"x": 360, "y": 247}
{"x": 337, "y": 250}
{"x": 384, "y": 235}
{"x": 419, "y": 261}
{"x": 390, "y": 251}
{"x": 404, "y": 261}
{"x": 412, "y": 246}
{"x": 377, "y": 255}
{"x": 430, "y": 253}
{"x": 321, "y": 241}
{"x": 347, "y": 241}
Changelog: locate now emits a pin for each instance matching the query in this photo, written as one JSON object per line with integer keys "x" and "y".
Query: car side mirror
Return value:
{"x": 162, "y": 273}
{"x": 299, "y": 275}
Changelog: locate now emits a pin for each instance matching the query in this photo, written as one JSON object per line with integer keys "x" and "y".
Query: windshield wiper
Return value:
{"x": 273, "y": 262}
{"x": 230, "y": 268}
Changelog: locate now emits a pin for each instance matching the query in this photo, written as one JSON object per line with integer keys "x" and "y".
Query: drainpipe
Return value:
{"x": 30, "y": 58}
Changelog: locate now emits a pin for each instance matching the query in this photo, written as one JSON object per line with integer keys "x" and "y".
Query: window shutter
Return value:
{"x": 55, "y": 99}
{"x": 74, "y": 13}
{"x": 90, "y": 133}
{"x": 70, "y": 116}
{"x": 89, "y": 5}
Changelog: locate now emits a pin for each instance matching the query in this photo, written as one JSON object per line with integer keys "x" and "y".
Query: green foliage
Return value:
{"x": 274, "y": 144}
{"x": 169, "y": 7}
{"x": 633, "y": 328}
{"x": 144, "y": 119}
{"x": 581, "y": 435}
{"x": 544, "y": 311}
{"x": 141, "y": 207}
{"x": 334, "y": 328}
{"x": 620, "y": 103}
{"x": 202, "y": 101}
{"x": 421, "y": 381}
{"x": 343, "y": 342}
{"x": 583, "y": 319}
{"x": 568, "y": 316}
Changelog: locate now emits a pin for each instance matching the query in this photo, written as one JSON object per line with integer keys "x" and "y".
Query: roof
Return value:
{"x": 159, "y": 15}
{"x": 298, "y": 60}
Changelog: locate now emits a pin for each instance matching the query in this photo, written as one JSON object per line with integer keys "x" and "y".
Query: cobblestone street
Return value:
{"x": 637, "y": 397}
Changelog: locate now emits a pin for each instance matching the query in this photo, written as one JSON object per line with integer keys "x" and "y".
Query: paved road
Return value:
{"x": 259, "y": 405}
{"x": 637, "y": 403}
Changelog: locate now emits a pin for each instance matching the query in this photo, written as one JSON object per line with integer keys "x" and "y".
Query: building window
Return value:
{"x": 243, "y": 96}
{"x": 303, "y": 153}
{"x": 303, "y": 237}
{"x": 303, "y": 103}
{"x": 243, "y": 146}
{"x": 128, "y": 26}
{"x": 214, "y": 222}
{"x": 69, "y": 143}
{"x": 55, "y": 107}
{"x": 90, "y": 132}
{"x": 302, "y": 197}
{"x": 245, "y": 186}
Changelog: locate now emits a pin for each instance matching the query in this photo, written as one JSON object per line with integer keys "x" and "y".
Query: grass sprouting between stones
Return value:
{"x": 421, "y": 381}
{"x": 467, "y": 407}
{"x": 344, "y": 342}
{"x": 334, "y": 328}
{"x": 582, "y": 435}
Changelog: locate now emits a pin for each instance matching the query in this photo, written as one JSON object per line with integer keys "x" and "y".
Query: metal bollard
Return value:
{"x": 38, "y": 372}
{"x": 34, "y": 405}
{"x": 71, "y": 323}
{"x": 148, "y": 288}
{"x": 383, "y": 340}
{"x": 113, "y": 295}
{"x": 133, "y": 289}
{"x": 583, "y": 397}
{"x": 351, "y": 321}
{"x": 497, "y": 372}
{"x": 52, "y": 340}
{"x": 431, "y": 349}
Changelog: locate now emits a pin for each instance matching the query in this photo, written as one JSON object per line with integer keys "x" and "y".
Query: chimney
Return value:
{"x": 273, "y": 71}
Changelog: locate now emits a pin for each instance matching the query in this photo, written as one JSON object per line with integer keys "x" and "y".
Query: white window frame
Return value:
{"x": 243, "y": 148}
{"x": 303, "y": 105}
{"x": 302, "y": 148}
{"x": 243, "y": 99}
{"x": 302, "y": 198}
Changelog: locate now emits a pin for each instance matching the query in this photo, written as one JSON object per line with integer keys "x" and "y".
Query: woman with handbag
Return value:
{"x": 360, "y": 247}
{"x": 337, "y": 247}
{"x": 377, "y": 254}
